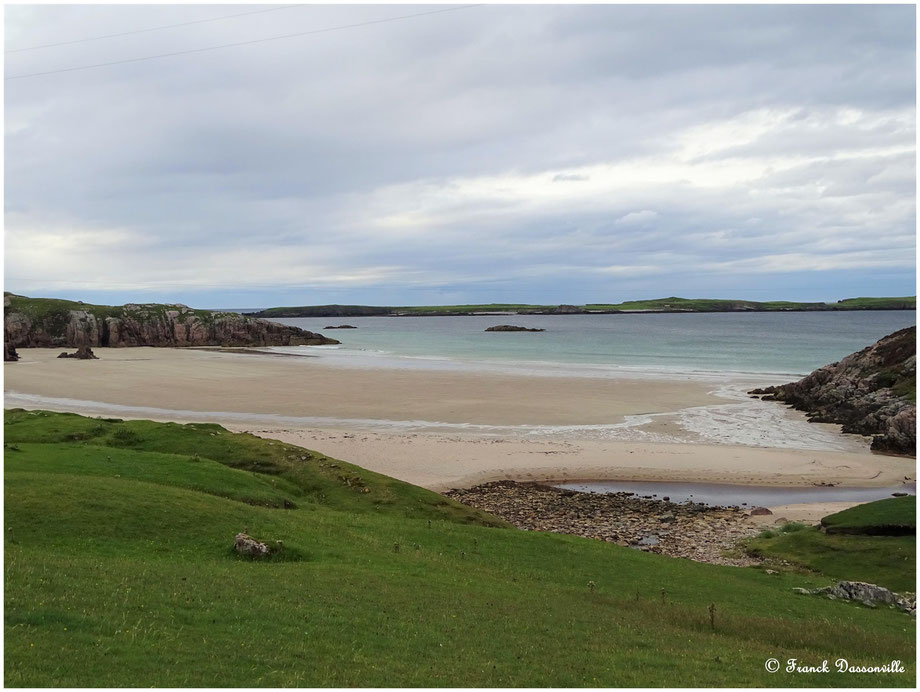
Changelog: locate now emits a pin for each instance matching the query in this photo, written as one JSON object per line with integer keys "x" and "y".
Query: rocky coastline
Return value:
{"x": 689, "y": 530}
{"x": 871, "y": 392}
{"x": 43, "y": 323}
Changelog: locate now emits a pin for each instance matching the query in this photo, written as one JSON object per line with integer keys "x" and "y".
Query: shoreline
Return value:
{"x": 529, "y": 429}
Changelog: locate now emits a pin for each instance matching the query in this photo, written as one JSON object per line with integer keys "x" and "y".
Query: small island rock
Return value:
{"x": 512, "y": 328}
{"x": 83, "y": 353}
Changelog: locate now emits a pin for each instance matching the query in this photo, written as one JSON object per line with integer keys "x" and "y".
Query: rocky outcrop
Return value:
{"x": 36, "y": 322}
{"x": 867, "y": 594}
{"x": 9, "y": 353}
{"x": 689, "y": 530}
{"x": 872, "y": 392}
{"x": 83, "y": 353}
{"x": 512, "y": 328}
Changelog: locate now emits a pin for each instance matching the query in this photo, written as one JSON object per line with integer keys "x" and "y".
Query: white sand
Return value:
{"x": 186, "y": 384}
{"x": 444, "y": 461}
{"x": 199, "y": 380}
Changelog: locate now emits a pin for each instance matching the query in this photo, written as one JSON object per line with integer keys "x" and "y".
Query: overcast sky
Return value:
{"x": 544, "y": 154}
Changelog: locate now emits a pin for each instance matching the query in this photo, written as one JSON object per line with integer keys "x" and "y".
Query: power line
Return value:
{"x": 155, "y": 28}
{"x": 242, "y": 43}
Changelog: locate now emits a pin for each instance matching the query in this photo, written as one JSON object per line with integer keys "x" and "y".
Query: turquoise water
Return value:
{"x": 792, "y": 343}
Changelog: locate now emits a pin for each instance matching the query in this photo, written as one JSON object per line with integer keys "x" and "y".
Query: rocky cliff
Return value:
{"x": 43, "y": 322}
{"x": 872, "y": 392}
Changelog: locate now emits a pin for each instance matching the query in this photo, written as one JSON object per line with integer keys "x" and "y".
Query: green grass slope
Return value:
{"x": 119, "y": 572}
{"x": 675, "y": 304}
{"x": 902, "y": 303}
{"x": 894, "y": 516}
{"x": 56, "y": 311}
{"x": 888, "y": 561}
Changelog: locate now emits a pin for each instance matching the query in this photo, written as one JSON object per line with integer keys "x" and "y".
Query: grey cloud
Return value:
{"x": 297, "y": 143}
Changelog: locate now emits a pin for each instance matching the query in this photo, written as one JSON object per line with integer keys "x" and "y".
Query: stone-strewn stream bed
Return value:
{"x": 689, "y": 530}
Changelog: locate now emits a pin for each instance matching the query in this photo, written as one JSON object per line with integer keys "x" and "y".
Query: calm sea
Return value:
{"x": 792, "y": 343}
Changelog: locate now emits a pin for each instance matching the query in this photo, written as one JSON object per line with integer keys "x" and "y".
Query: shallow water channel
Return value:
{"x": 718, "y": 494}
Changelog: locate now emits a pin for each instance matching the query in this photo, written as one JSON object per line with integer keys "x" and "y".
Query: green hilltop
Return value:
{"x": 119, "y": 572}
{"x": 672, "y": 304}
{"x": 58, "y": 309}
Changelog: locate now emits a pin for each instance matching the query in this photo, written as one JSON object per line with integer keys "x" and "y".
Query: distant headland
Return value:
{"x": 657, "y": 305}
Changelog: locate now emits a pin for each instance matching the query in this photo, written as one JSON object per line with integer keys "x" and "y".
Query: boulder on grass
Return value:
{"x": 246, "y": 545}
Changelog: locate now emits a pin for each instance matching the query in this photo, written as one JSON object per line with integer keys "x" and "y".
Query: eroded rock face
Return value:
{"x": 869, "y": 393}
{"x": 150, "y": 325}
{"x": 9, "y": 353}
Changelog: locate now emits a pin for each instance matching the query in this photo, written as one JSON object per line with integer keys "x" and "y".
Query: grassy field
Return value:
{"x": 56, "y": 311}
{"x": 893, "y": 516}
{"x": 52, "y": 317}
{"x": 904, "y": 302}
{"x": 674, "y": 304}
{"x": 888, "y": 561}
{"x": 119, "y": 572}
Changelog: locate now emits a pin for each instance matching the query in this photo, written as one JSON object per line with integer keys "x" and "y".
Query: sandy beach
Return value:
{"x": 211, "y": 381}
{"x": 348, "y": 413}
{"x": 440, "y": 462}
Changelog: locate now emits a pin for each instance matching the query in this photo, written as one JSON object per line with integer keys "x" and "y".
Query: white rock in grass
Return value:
{"x": 246, "y": 545}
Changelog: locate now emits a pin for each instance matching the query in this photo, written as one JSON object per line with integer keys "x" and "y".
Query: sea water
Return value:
{"x": 784, "y": 344}
{"x": 732, "y": 352}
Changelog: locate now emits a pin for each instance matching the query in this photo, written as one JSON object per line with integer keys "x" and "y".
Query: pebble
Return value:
{"x": 694, "y": 531}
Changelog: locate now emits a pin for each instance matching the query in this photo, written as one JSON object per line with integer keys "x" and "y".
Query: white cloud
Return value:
{"x": 637, "y": 217}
